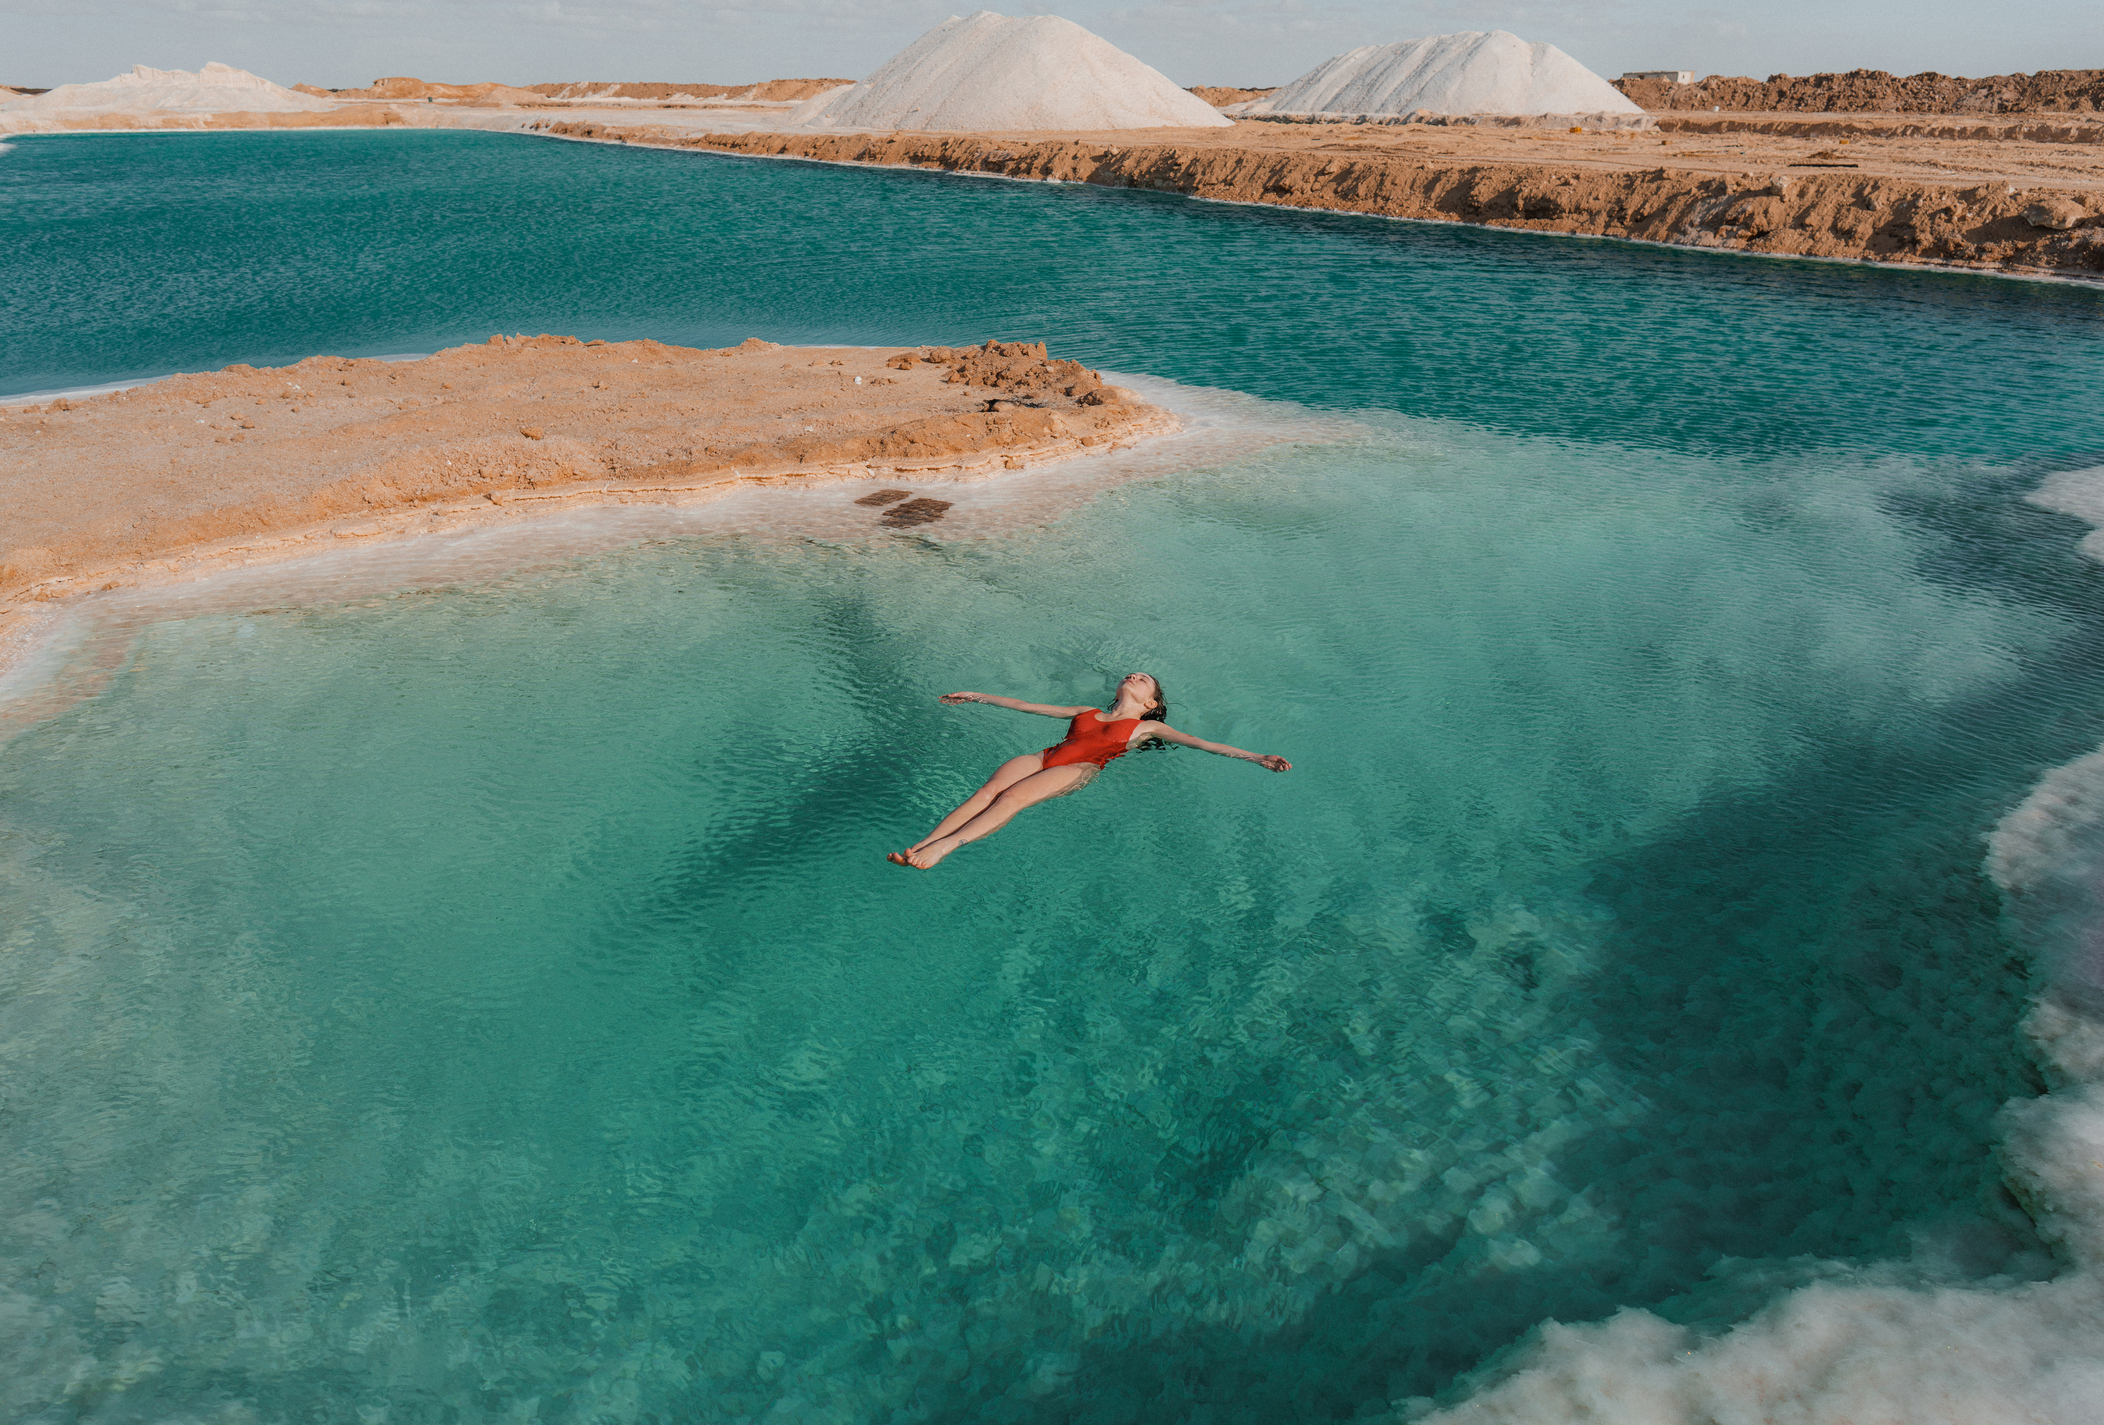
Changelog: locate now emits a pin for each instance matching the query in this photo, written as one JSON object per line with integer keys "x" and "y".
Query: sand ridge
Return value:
{"x": 247, "y": 463}
{"x": 1220, "y": 96}
{"x": 771, "y": 91}
{"x": 1875, "y": 91}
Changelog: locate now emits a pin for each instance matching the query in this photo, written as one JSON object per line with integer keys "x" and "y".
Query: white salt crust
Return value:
{"x": 1469, "y": 73}
{"x": 999, "y": 73}
{"x": 215, "y": 89}
{"x": 1892, "y": 1342}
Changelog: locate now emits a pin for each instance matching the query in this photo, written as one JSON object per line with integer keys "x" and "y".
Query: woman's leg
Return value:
{"x": 1029, "y": 791}
{"x": 1004, "y": 777}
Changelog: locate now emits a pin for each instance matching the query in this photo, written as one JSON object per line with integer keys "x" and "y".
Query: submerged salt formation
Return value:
{"x": 217, "y": 88}
{"x": 1469, "y": 73}
{"x": 1921, "y": 1338}
{"x": 997, "y": 73}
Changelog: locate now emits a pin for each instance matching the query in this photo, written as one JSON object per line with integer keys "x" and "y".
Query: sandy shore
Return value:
{"x": 707, "y": 115}
{"x": 1864, "y": 187}
{"x": 245, "y": 465}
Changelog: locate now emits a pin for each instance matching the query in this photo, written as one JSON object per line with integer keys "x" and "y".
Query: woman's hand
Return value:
{"x": 953, "y": 699}
{"x": 1276, "y": 764}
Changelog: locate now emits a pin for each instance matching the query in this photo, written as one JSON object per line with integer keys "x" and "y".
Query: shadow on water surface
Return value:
{"x": 824, "y": 796}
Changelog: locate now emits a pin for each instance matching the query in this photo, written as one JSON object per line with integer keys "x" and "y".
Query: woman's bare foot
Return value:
{"x": 898, "y": 858}
{"x": 928, "y": 857}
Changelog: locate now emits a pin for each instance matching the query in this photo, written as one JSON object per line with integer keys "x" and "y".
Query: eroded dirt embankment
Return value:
{"x": 1821, "y": 209}
{"x": 243, "y": 462}
{"x": 1873, "y": 90}
{"x": 1968, "y": 129}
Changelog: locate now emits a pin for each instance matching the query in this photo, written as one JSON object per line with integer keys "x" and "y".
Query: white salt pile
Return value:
{"x": 994, "y": 72}
{"x": 1469, "y": 73}
{"x": 215, "y": 89}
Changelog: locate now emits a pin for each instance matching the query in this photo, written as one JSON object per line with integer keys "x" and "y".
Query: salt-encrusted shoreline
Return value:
{"x": 1796, "y": 200}
{"x": 244, "y": 466}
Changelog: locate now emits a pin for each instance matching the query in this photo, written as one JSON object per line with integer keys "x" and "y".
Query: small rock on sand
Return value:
{"x": 2059, "y": 214}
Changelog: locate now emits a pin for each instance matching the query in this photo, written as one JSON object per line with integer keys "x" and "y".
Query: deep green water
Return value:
{"x": 490, "y": 1002}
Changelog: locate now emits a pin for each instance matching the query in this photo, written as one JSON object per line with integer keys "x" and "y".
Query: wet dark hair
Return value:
{"x": 1158, "y": 713}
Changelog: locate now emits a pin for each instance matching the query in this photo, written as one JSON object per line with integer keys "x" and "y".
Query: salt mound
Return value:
{"x": 216, "y": 89}
{"x": 994, "y": 72}
{"x": 1469, "y": 73}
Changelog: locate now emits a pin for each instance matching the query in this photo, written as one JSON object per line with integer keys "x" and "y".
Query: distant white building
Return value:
{"x": 1671, "y": 76}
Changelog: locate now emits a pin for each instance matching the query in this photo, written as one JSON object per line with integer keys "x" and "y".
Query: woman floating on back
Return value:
{"x": 1093, "y": 739}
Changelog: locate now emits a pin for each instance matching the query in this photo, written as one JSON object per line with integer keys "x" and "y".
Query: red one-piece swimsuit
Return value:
{"x": 1090, "y": 739}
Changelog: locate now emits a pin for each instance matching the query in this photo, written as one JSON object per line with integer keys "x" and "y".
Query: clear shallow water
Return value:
{"x": 489, "y": 1002}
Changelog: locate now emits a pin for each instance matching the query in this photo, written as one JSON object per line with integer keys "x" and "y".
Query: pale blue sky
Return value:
{"x": 345, "y": 42}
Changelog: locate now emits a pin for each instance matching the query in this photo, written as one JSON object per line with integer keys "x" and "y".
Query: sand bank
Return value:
{"x": 241, "y": 465}
{"x": 2008, "y": 205}
{"x": 1960, "y": 128}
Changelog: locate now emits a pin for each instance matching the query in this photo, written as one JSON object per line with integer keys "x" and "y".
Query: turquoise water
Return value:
{"x": 134, "y": 257}
{"x": 490, "y": 1002}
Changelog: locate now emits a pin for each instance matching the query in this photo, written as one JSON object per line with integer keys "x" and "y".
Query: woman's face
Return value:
{"x": 1140, "y": 687}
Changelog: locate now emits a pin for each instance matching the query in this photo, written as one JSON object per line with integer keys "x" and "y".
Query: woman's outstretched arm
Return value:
{"x": 1184, "y": 739}
{"x": 1017, "y": 704}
